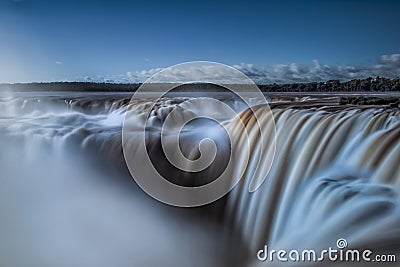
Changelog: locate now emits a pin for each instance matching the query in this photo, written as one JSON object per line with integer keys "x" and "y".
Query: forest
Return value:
{"x": 377, "y": 84}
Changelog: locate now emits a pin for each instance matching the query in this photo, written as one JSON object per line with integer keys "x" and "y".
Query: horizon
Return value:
{"x": 200, "y": 83}
{"x": 171, "y": 82}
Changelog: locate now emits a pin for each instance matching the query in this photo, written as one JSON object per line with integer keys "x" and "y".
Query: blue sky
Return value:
{"x": 127, "y": 40}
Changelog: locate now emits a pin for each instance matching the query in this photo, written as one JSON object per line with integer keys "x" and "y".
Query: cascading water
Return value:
{"x": 335, "y": 174}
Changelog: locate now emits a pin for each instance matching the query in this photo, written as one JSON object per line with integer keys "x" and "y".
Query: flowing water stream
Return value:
{"x": 67, "y": 199}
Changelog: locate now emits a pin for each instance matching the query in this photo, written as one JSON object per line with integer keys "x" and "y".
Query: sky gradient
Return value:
{"x": 125, "y": 41}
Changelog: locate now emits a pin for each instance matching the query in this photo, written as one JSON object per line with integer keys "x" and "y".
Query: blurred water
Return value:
{"x": 62, "y": 205}
{"x": 67, "y": 199}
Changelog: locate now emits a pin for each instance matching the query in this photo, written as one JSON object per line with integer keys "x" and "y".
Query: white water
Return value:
{"x": 66, "y": 198}
{"x": 335, "y": 174}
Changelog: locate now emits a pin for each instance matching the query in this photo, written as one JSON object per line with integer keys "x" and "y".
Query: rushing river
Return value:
{"x": 67, "y": 197}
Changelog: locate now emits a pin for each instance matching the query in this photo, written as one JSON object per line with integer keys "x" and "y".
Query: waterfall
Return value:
{"x": 334, "y": 174}
{"x": 324, "y": 172}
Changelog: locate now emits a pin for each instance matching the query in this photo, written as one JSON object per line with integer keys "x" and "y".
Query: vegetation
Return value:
{"x": 391, "y": 101}
{"x": 70, "y": 86}
{"x": 377, "y": 84}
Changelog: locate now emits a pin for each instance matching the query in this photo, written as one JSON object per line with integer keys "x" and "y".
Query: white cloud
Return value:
{"x": 59, "y": 62}
{"x": 386, "y": 66}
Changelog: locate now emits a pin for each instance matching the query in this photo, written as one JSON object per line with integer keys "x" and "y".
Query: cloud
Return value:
{"x": 386, "y": 66}
{"x": 59, "y": 62}
{"x": 141, "y": 76}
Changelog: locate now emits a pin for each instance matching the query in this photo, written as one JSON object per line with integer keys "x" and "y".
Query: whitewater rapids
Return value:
{"x": 65, "y": 196}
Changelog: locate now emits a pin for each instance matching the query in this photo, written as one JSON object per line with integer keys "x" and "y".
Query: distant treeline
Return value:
{"x": 377, "y": 84}
{"x": 69, "y": 86}
{"x": 393, "y": 102}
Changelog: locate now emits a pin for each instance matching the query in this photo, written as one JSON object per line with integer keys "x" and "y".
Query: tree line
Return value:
{"x": 378, "y": 84}
{"x": 370, "y": 84}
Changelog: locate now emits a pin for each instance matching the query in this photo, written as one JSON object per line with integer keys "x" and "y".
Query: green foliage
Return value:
{"x": 377, "y": 84}
{"x": 391, "y": 101}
